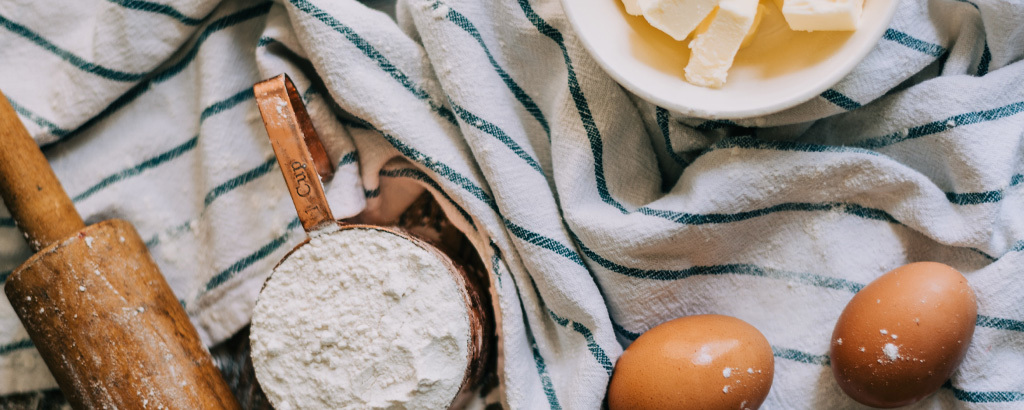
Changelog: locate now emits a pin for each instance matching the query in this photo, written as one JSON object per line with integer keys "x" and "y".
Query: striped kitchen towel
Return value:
{"x": 600, "y": 215}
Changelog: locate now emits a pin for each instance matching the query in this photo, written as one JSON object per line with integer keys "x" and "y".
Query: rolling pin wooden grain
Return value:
{"x": 93, "y": 301}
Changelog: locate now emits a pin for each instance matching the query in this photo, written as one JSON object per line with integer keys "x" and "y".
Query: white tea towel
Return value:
{"x": 599, "y": 214}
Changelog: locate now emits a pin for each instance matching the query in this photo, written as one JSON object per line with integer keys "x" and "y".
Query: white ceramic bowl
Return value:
{"x": 778, "y": 70}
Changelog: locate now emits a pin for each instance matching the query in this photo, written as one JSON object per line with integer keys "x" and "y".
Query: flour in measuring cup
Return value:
{"x": 360, "y": 318}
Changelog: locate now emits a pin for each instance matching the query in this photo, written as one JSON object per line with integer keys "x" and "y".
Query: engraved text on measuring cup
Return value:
{"x": 301, "y": 182}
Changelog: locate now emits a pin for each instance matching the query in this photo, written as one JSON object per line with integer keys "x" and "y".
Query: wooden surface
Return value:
{"x": 35, "y": 198}
{"x": 109, "y": 327}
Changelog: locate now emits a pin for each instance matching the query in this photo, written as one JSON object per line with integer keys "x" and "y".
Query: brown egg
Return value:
{"x": 903, "y": 335}
{"x": 694, "y": 362}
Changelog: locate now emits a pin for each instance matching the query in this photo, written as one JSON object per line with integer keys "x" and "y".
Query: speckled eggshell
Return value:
{"x": 694, "y": 362}
{"x": 902, "y": 336}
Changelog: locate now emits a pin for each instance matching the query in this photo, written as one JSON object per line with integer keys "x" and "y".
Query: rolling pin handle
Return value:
{"x": 30, "y": 189}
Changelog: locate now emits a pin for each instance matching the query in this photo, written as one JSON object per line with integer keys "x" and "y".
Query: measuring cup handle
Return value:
{"x": 299, "y": 151}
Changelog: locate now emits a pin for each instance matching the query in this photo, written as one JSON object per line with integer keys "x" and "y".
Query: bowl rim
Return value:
{"x": 823, "y": 84}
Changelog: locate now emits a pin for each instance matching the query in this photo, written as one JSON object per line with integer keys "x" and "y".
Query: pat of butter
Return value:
{"x": 749, "y": 38}
{"x": 677, "y": 18}
{"x": 632, "y": 7}
{"x": 714, "y": 50}
{"x": 822, "y": 15}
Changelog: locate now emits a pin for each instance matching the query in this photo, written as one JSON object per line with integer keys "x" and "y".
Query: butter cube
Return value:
{"x": 632, "y": 7}
{"x": 714, "y": 50}
{"x": 749, "y": 38}
{"x": 822, "y": 15}
{"x": 677, "y": 18}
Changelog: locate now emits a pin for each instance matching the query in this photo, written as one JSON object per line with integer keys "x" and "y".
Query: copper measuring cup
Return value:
{"x": 303, "y": 161}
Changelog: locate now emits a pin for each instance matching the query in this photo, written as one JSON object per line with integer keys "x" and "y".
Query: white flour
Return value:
{"x": 891, "y": 351}
{"x": 360, "y": 318}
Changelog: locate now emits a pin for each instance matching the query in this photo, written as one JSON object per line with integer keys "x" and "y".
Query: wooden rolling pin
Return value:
{"x": 93, "y": 301}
